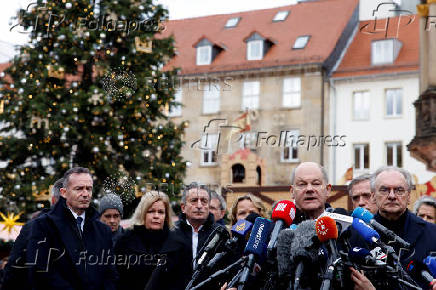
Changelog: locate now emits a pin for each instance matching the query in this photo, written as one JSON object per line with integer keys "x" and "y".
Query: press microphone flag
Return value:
{"x": 430, "y": 261}
{"x": 368, "y": 217}
{"x": 283, "y": 214}
{"x": 241, "y": 228}
{"x": 257, "y": 243}
{"x": 327, "y": 232}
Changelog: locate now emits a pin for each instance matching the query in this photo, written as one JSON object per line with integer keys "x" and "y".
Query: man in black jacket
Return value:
{"x": 15, "y": 276}
{"x": 69, "y": 248}
{"x": 196, "y": 223}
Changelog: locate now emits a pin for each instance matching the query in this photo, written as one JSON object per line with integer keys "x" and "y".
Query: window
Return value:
{"x": 211, "y": 99}
{"x": 280, "y": 16}
{"x": 209, "y": 143}
{"x": 394, "y": 103}
{"x": 361, "y": 105}
{"x": 250, "y": 95}
{"x": 254, "y": 50}
{"x": 292, "y": 92}
{"x": 176, "y": 110}
{"x": 301, "y": 42}
{"x": 232, "y": 22}
{"x": 393, "y": 154}
{"x": 204, "y": 55}
{"x": 385, "y": 51}
{"x": 289, "y": 152}
{"x": 361, "y": 156}
{"x": 238, "y": 173}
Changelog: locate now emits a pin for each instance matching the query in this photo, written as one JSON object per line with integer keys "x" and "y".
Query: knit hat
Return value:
{"x": 111, "y": 200}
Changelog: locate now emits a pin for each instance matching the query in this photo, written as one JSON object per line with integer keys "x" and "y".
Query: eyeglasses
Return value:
{"x": 386, "y": 190}
{"x": 304, "y": 186}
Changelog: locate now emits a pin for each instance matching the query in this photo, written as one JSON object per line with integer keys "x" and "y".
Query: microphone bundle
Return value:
{"x": 314, "y": 254}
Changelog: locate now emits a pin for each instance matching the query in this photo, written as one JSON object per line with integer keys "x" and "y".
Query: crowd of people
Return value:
{"x": 72, "y": 245}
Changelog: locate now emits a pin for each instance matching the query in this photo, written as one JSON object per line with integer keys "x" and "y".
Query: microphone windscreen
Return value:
{"x": 284, "y": 251}
{"x": 285, "y": 211}
{"x": 358, "y": 255}
{"x": 365, "y": 231}
{"x": 252, "y": 217}
{"x": 241, "y": 228}
{"x": 326, "y": 229}
{"x": 258, "y": 241}
{"x": 363, "y": 214}
{"x": 303, "y": 245}
{"x": 430, "y": 261}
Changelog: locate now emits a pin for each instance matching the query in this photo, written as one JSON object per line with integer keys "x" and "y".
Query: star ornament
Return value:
{"x": 10, "y": 221}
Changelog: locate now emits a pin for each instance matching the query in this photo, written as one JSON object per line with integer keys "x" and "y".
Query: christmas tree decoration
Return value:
{"x": 145, "y": 46}
{"x": 10, "y": 221}
{"x": 74, "y": 88}
{"x": 53, "y": 72}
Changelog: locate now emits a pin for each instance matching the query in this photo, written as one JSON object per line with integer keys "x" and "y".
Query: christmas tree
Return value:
{"x": 87, "y": 91}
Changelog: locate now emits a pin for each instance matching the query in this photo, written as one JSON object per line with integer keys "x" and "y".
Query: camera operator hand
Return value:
{"x": 225, "y": 286}
{"x": 360, "y": 281}
{"x": 433, "y": 284}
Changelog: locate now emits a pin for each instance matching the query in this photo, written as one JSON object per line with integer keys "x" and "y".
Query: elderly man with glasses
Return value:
{"x": 390, "y": 189}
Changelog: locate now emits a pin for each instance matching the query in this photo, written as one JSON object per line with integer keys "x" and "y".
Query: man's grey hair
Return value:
{"x": 196, "y": 185}
{"x": 358, "y": 179}
{"x": 56, "y": 189}
{"x": 405, "y": 173}
{"x": 215, "y": 195}
{"x": 324, "y": 174}
{"x": 427, "y": 200}
{"x": 74, "y": 170}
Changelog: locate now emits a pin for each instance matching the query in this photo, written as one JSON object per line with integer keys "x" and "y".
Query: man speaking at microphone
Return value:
{"x": 390, "y": 189}
{"x": 310, "y": 189}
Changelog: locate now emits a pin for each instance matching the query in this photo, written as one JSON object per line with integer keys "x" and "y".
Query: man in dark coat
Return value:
{"x": 15, "y": 276}
{"x": 69, "y": 248}
{"x": 390, "y": 188}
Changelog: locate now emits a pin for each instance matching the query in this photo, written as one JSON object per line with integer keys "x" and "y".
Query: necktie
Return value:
{"x": 79, "y": 221}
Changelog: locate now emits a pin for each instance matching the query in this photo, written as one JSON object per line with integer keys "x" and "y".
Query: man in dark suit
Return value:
{"x": 69, "y": 248}
{"x": 390, "y": 189}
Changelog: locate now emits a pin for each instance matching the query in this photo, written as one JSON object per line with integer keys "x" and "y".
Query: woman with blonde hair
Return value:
{"x": 141, "y": 249}
{"x": 245, "y": 205}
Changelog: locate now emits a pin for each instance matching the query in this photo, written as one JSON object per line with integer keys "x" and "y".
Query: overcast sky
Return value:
{"x": 177, "y": 8}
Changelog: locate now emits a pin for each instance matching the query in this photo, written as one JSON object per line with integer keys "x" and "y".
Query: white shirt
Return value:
{"x": 194, "y": 239}
{"x": 75, "y": 217}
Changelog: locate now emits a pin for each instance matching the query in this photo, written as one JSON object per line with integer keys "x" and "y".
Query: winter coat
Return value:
{"x": 138, "y": 252}
{"x": 60, "y": 257}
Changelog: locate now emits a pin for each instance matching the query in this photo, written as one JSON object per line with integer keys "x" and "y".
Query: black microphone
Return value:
{"x": 220, "y": 235}
{"x": 295, "y": 247}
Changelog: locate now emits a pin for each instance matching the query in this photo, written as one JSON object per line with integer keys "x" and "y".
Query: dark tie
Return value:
{"x": 79, "y": 221}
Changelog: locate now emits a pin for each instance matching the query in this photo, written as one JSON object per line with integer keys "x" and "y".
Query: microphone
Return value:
{"x": 220, "y": 234}
{"x": 368, "y": 217}
{"x": 340, "y": 216}
{"x": 430, "y": 261}
{"x": 283, "y": 214}
{"x": 239, "y": 231}
{"x": 295, "y": 247}
{"x": 361, "y": 256}
{"x": 420, "y": 270}
{"x": 256, "y": 247}
{"x": 327, "y": 232}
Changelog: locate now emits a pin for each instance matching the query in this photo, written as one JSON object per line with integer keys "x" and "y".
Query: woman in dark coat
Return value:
{"x": 140, "y": 250}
